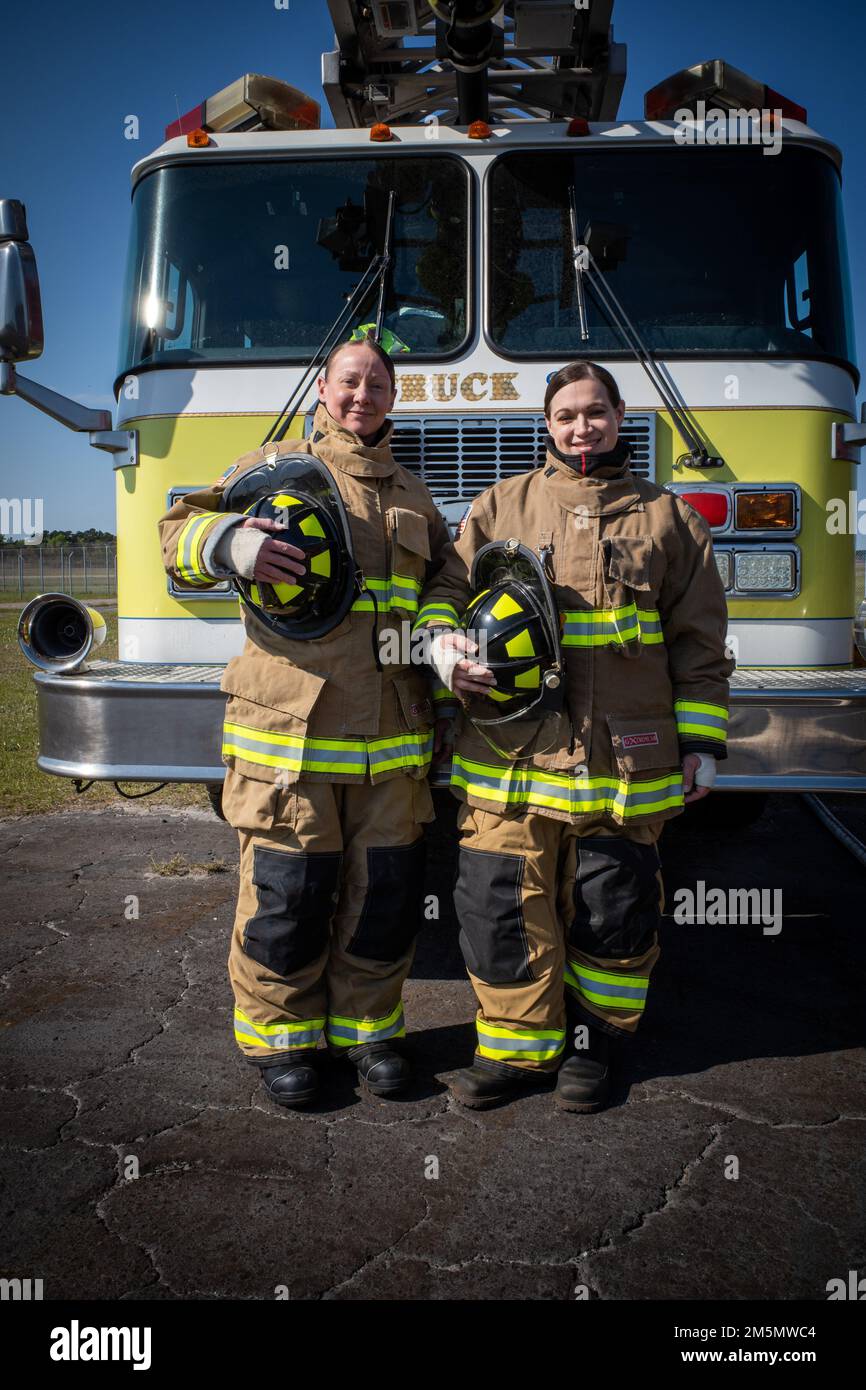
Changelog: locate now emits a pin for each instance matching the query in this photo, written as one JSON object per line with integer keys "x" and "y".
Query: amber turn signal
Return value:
{"x": 764, "y": 511}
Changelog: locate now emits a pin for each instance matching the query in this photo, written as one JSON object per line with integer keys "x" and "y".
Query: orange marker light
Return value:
{"x": 479, "y": 130}
{"x": 197, "y": 139}
{"x": 380, "y": 131}
{"x": 765, "y": 511}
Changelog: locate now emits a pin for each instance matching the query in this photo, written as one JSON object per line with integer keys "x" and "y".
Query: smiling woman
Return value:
{"x": 358, "y": 385}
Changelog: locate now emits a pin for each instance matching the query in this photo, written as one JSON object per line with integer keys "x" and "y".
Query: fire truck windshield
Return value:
{"x": 252, "y": 262}
{"x": 717, "y": 251}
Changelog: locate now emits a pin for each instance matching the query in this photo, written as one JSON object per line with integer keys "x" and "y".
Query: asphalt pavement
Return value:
{"x": 141, "y": 1159}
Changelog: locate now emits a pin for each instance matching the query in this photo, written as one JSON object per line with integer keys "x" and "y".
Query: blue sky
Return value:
{"x": 71, "y": 74}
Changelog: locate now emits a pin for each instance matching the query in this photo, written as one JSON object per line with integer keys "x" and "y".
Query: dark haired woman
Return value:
{"x": 558, "y": 892}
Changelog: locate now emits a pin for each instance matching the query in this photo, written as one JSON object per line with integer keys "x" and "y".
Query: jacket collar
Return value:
{"x": 342, "y": 449}
{"x": 606, "y": 486}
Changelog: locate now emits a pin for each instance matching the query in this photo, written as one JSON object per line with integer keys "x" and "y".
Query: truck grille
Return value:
{"x": 458, "y": 456}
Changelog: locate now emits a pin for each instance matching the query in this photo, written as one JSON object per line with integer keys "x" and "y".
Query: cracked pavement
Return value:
{"x": 141, "y": 1160}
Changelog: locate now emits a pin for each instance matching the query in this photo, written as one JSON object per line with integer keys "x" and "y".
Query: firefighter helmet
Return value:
{"x": 514, "y": 621}
{"x": 297, "y": 491}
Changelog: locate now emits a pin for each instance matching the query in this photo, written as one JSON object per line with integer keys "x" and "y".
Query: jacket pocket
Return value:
{"x": 266, "y": 720}
{"x": 409, "y": 557}
{"x": 627, "y": 560}
{"x": 641, "y": 745}
{"x": 414, "y": 706}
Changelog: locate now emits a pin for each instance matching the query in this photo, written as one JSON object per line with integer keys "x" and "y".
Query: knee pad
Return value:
{"x": 616, "y": 897}
{"x": 391, "y": 915}
{"x": 488, "y": 901}
{"x": 296, "y": 895}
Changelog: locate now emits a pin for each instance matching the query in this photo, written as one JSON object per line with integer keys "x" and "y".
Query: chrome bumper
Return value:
{"x": 129, "y": 721}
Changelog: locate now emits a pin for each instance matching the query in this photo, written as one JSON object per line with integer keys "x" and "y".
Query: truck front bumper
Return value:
{"x": 790, "y": 730}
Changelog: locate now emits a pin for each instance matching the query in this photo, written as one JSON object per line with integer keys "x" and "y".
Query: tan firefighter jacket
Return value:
{"x": 320, "y": 709}
{"x": 643, "y": 621}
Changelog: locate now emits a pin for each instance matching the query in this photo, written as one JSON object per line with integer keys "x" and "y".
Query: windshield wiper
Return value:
{"x": 377, "y": 273}
{"x": 698, "y": 455}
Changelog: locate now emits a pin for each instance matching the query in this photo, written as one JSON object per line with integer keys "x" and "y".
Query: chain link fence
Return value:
{"x": 82, "y": 570}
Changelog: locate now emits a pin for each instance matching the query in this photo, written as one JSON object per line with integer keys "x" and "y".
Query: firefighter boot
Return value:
{"x": 488, "y": 1083}
{"x": 583, "y": 1081}
{"x": 381, "y": 1070}
{"x": 293, "y": 1082}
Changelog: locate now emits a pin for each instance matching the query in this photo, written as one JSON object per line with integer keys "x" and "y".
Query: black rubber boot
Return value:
{"x": 381, "y": 1070}
{"x": 488, "y": 1083}
{"x": 291, "y": 1083}
{"x": 583, "y": 1082}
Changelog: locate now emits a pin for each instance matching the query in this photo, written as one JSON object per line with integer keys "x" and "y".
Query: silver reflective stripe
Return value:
{"x": 189, "y": 545}
{"x": 303, "y": 753}
{"x": 602, "y": 987}
{"x": 708, "y": 721}
{"x": 338, "y": 1030}
{"x": 520, "y": 1044}
{"x": 306, "y": 1037}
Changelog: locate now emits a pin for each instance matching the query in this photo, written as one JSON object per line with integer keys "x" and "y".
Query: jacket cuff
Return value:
{"x": 238, "y": 550}
{"x": 440, "y": 614}
{"x": 215, "y": 553}
{"x": 703, "y": 745}
{"x": 702, "y": 722}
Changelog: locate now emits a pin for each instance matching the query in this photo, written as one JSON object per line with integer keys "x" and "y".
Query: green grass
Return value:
{"x": 24, "y": 790}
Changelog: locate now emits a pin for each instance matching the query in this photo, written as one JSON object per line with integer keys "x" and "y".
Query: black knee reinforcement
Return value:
{"x": 393, "y": 904}
{"x": 489, "y": 905}
{"x": 296, "y": 896}
{"x": 616, "y": 897}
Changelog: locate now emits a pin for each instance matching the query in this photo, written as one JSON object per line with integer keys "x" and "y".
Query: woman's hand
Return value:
{"x": 462, "y": 675}
{"x": 692, "y": 792}
{"x": 277, "y": 561}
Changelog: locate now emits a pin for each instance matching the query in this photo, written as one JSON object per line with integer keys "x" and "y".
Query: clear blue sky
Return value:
{"x": 72, "y": 73}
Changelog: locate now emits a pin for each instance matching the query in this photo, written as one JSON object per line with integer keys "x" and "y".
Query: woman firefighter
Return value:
{"x": 327, "y": 744}
{"x": 595, "y": 709}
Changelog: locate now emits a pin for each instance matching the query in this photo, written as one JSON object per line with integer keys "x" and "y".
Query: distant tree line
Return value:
{"x": 88, "y": 537}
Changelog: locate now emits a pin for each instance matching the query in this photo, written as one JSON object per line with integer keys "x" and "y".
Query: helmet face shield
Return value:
{"x": 513, "y": 619}
{"x": 298, "y": 493}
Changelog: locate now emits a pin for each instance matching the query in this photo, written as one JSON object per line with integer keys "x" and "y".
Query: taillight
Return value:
{"x": 714, "y": 507}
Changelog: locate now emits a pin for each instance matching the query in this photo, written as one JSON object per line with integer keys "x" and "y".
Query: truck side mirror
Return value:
{"x": 21, "y": 333}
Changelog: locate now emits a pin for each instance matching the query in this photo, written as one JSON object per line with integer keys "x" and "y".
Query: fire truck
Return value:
{"x": 482, "y": 202}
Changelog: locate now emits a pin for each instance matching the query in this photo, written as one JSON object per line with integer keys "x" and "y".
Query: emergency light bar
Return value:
{"x": 252, "y": 102}
{"x": 715, "y": 83}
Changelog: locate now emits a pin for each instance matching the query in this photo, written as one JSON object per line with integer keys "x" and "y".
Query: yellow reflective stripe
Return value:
{"x": 389, "y": 593}
{"x": 599, "y": 627}
{"x": 347, "y": 756}
{"x": 604, "y": 977}
{"x": 513, "y": 786}
{"x": 187, "y": 561}
{"x": 349, "y": 1032}
{"x": 441, "y": 614}
{"x": 718, "y": 710}
{"x": 701, "y": 719}
{"x": 288, "y": 1033}
{"x": 518, "y": 1044}
{"x": 621, "y": 992}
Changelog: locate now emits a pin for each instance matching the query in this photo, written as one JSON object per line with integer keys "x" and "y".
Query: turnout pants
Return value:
{"x": 330, "y": 902}
{"x": 550, "y": 911}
